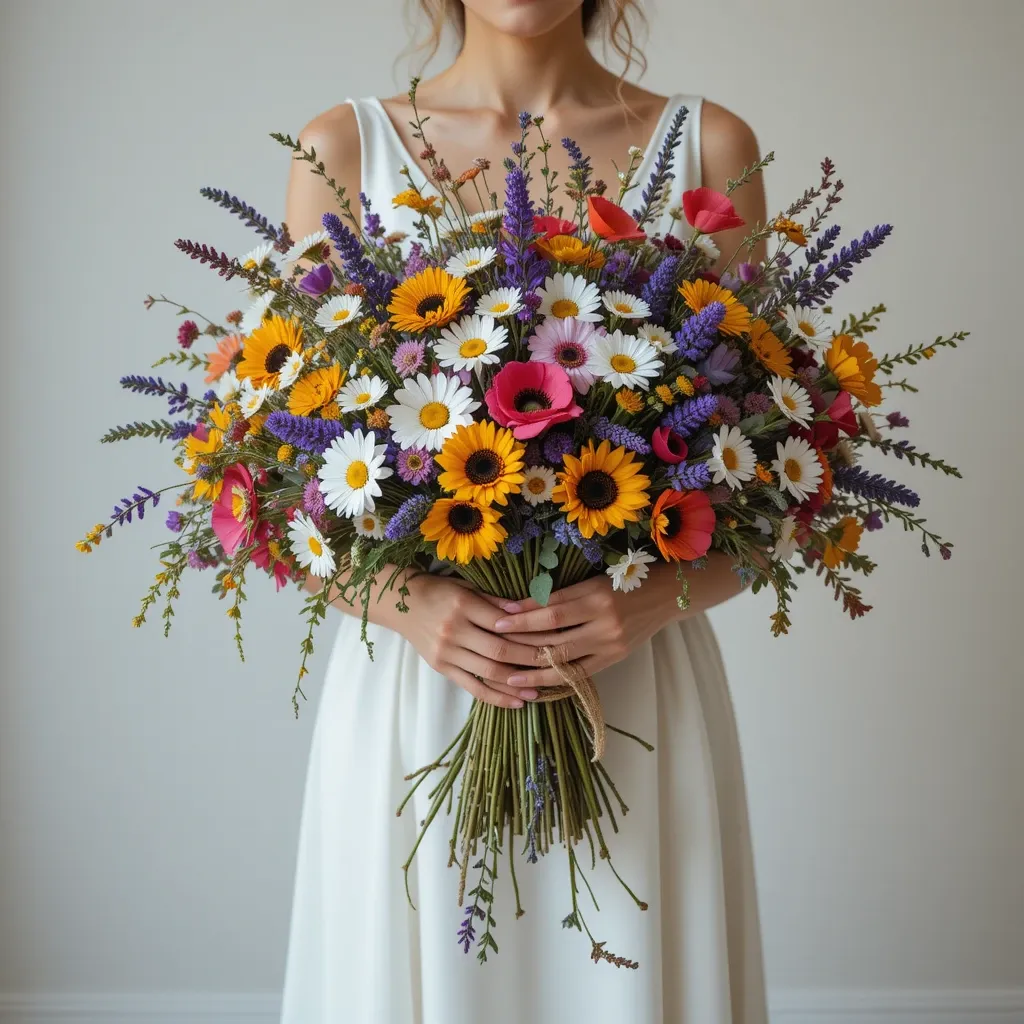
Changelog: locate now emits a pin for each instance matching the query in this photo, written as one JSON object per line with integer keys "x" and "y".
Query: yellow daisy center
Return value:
{"x": 807, "y": 328}
{"x": 623, "y": 307}
{"x": 478, "y": 229}
{"x": 239, "y": 504}
{"x": 472, "y": 263}
{"x": 363, "y": 397}
{"x": 536, "y": 485}
{"x": 342, "y": 314}
{"x": 500, "y": 307}
{"x": 315, "y": 546}
{"x": 368, "y": 523}
{"x": 434, "y": 415}
{"x": 621, "y": 363}
{"x": 413, "y": 462}
{"x": 793, "y": 470}
{"x": 249, "y": 265}
{"x": 563, "y": 308}
{"x": 729, "y": 459}
{"x": 472, "y": 347}
{"x": 630, "y": 571}
{"x": 357, "y": 474}
{"x": 789, "y": 402}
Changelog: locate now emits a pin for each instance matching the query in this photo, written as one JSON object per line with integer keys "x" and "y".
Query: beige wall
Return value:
{"x": 150, "y": 788}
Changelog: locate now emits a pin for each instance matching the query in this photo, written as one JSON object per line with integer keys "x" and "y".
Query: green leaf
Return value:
{"x": 777, "y": 497}
{"x": 540, "y": 588}
{"x": 549, "y": 543}
{"x": 547, "y": 558}
{"x": 752, "y": 424}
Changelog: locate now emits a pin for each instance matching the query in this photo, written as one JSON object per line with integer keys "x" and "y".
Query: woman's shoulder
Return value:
{"x": 333, "y": 133}
{"x": 725, "y": 138}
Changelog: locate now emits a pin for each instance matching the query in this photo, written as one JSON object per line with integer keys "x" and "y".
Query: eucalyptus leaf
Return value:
{"x": 548, "y": 559}
{"x": 549, "y": 543}
{"x": 540, "y": 588}
{"x": 752, "y": 424}
{"x": 777, "y": 497}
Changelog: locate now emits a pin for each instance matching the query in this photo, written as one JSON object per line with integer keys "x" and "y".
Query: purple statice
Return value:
{"x": 757, "y": 403}
{"x": 731, "y": 281}
{"x": 359, "y": 267}
{"x": 318, "y": 281}
{"x": 692, "y": 414}
{"x": 181, "y": 430}
{"x": 874, "y": 487}
{"x": 524, "y": 269}
{"x": 409, "y": 358}
{"x": 746, "y": 574}
{"x": 417, "y": 260}
{"x": 700, "y": 331}
{"x": 557, "y": 444}
{"x": 620, "y": 436}
{"x": 569, "y": 534}
{"x": 371, "y": 220}
{"x": 188, "y": 332}
{"x": 688, "y": 476}
{"x": 196, "y": 560}
{"x": 654, "y": 192}
{"x": 302, "y": 431}
{"x": 720, "y": 363}
{"x": 532, "y": 529}
{"x": 175, "y": 522}
{"x": 660, "y": 288}
{"x": 301, "y": 459}
{"x": 210, "y": 396}
{"x": 613, "y": 273}
{"x": 313, "y": 502}
{"x": 897, "y": 419}
{"x": 818, "y": 288}
{"x": 407, "y": 519}
{"x": 415, "y": 466}
{"x": 873, "y": 520}
{"x": 728, "y": 410}
{"x": 514, "y": 543}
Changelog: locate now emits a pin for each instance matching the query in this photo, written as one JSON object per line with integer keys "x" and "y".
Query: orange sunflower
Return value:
{"x": 315, "y": 390}
{"x": 463, "y": 530}
{"x": 431, "y": 298}
{"x": 770, "y": 352}
{"x": 570, "y": 250}
{"x": 853, "y": 366}
{"x": 267, "y": 350}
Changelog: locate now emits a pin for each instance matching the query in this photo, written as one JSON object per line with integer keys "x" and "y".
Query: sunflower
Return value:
{"x": 431, "y": 298}
{"x": 463, "y": 530}
{"x": 682, "y": 523}
{"x": 853, "y": 366}
{"x": 316, "y": 390}
{"x": 267, "y": 350}
{"x": 602, "y": 488}
{"x": 770, "y": 352}
{"x": 570, "y": 250}
{"x": 482, "y": 463}
{"x": 701, "y": 293}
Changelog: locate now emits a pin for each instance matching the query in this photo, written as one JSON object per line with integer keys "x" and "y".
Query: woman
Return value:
{"x": 358, "y": 954}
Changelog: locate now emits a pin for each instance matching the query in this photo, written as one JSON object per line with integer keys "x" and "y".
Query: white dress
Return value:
{"x": 358, "y": 954}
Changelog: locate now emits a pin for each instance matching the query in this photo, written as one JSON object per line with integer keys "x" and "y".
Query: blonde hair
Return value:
{"x": 610, "y": 17}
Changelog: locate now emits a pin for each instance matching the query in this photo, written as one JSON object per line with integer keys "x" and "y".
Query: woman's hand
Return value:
{"x": 449, "y": 625}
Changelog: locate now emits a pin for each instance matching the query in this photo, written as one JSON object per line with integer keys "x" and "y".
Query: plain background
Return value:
{"x": 150, "y": 788}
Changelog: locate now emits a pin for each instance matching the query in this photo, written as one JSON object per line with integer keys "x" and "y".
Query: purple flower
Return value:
{"x": 313, "y": 502}
{"x": 946, "y": 551}
{"x": 689, "y": 477}
{"x": 317, "y": 281}
{"x": 197, "y": 561}
{"x": 514, "y": 543}
{"x": 605, "y": 430}
{"x": 756, "y": 403}
{"x": 686, "y": 418}
{"x": 873, "y": 520}
{"x": 408, "y": 358}
{"x": 534, "y": 454}
{"x": 897, "y": 419}
{"x": 525, "y": 117}
{"x": 371, "y": 221}
{"x": 613, "y": 274}
{"x": 187, "y": 333}
{"x": 568, "y": 534}
{"x": 175, "y": 522}
{"x": 415, "y": 466}
{"x": 359, "y": 267}
{"x": 660, "y": 287}
{"x": 817, "y": 289}
{"x": 719, "y": 364}
{"x": 557, "y": 444}
{"x": 874, "y": 487}
{"x": 728, "y": 410}
{"x": 407, "y": 519}
{"x": 749, "y": 272}
{"x": 700, "y": 331}
{"x": 181, "y": 430}
{"x": 417, "y": 260}
{"x": 662, "y": 174}
{"x": 524, "y": 269}
{"x": 303, "y": 432}
{"x": 532, "y": 529}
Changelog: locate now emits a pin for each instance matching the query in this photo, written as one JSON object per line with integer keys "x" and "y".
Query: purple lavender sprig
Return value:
{"x": 407, "y": 519}
{"x": 620, "y": 436}
{"x": 700, "y": 331}
{"x": 579, "y": 165}
{"x": 302, "y": 431}
{"x": 467, "y": 934}
{"x": 692, "y": 414}
{"x": 689, "y": 476}
{"x": 662, "y": 174}
{"x": 162, "y": 430}
{"x": 124, "y": 509}
{"x": 816, "y": 290}
{"x": 568, "y": 534}
{"x": 660, "y": 287}
{"x": 245, "y": 212}
{"x": 178, "y": 398}
{"x": 874, "y": 487}
{"x": 358, "y": 266}
{"x": 371, "y": 221}
{"x": 225, "y": 265}
{"x": 524, "y": 269}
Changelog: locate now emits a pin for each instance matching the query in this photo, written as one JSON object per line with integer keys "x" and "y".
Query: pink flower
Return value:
{"x": 264, "y": 556}
{"x": 611, "y": 222}
{"x": 234, "y": 512}
{"x": 669, "y": 446}
{"x": 568, "y": 343}
{"x": 530, "y": 397}
{"x": 551, "y": 226}
{"x": 709, "y": 211}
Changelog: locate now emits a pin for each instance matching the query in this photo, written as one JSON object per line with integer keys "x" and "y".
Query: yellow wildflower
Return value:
{"x": 412, "y": 199}
{"x": 378, "y": 419}
{"x": 664, "y": 392}
{"x": 685, "y": 385}
{"x": 285, "y": 453}
{"x": 629, "y": 401}
{"x": 791, "y": 229}
{"x": 330, "y": 411}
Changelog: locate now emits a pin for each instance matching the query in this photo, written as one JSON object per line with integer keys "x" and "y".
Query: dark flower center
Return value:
{"x": 597, "y": 490}
{"x": 484, "y": 466}
{"x": 430, "y": 304}
{"x": 673, "y": 522}
{"x": 276, "y": 358}
{"x": 531, "y": 400}
{"x": 464, "y": 518}
{"x": 571, "y": 356}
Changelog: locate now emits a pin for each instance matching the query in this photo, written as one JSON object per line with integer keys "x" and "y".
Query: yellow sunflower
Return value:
{"x": 431, "y": 298}
{"x": 463, "y": 530}
{"x": 198, "y": 448}
{"x": 570, "y": 250}
{"x": 853, "y": 366}
{"x": 315, "y": 390}
{"x": 482, "y": 462}
{"x": 701, "y": 293}
{"x": 770, "y": 352}
{"x": 602, "y": 488}
{"x": 267, "y": 349}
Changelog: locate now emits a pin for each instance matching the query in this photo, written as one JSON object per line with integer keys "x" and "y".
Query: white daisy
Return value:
{"x": 659, "y": 337}
{"x": 809, "y": 324}
{"x": 429, "y": 410}
{"x": 336, "y": 312}
{"x": 501, "y": 302}
{"x": 255, "y": 258}
{"x": 732, "y": 458}
{"x": 787, "y": 545}
{"x": 486, "y": 217}
{"x": 798, "y": 467}
{"x": 469, "y": 261}
{"x": 252, "y": 398}
{"x": 793, "y": 401}
{"x": 300, "y": 248}
{"x": 472, "y": 342}
{"x": 567, "y": 295}
{"x": 352, "y": 467}
{"x": 625, "y": 361}
{"x": 369, "y": 524}
{"x": 763, "y": 525}
{"x": 361, "y": 392}
{"x": 629, "y": 307}
{"x": 309, "y": 547}
{"x": 228, "y": 386}
{"x": 707, "y": 246}
{"x": 630, "y": 571}
{"x": 538, "y": 485}
{"x": 289, "y": 373}
{"x": 253, "y": 316}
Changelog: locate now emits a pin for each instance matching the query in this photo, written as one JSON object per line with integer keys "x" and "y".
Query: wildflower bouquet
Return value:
{"x": 527, "y": 396}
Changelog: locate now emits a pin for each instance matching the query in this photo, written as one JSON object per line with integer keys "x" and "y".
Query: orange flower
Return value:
{"x": 825, "y": 487}
{"x": 219, "y": 362}
{"x": 848, "y": 541}
{"x": 791, "y": 229}
{"x": 763, "y": 473}
{"x": 467, "y": 175}
{"x": 770, "y": 352}
{"x": 629, "y": 401}
{"x": 569, "y": 250}
{"x": 611, "y": 222}
{"x": 701, "y": 293}
{"x": 853, "y": 366}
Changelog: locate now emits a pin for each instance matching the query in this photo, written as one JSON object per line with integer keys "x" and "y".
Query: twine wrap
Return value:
{"x": 578, "y": 686}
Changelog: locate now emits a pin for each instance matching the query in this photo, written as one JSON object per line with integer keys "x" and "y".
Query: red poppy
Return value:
{"x": 530, "y": 397}
{"x": 611, "y": 222}
{"x": 682, "y": 523}
{"x": 709, "y": 211}
{"x": 824, "y": 434}
{"x": 551, "y": 226}
{"x": 669, "y": 446}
